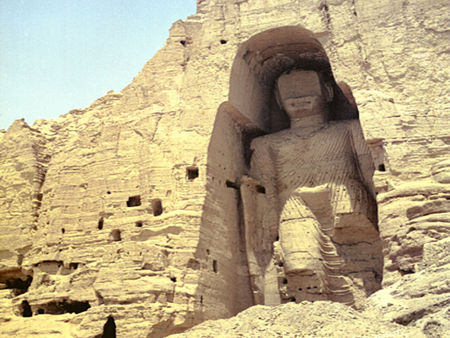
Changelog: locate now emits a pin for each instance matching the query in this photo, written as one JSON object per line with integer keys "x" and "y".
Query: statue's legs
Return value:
{"x": 300, "y": 241}
{"x": 311, "y": 262}
{"x": 303, "y": 263}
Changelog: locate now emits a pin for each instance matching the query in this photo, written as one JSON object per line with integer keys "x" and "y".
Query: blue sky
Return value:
{"x": 58, "y": 55}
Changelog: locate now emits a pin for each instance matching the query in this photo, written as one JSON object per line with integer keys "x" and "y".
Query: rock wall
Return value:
{"x": 124, "y": 210}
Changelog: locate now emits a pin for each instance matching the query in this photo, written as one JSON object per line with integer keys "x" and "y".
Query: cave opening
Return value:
{"x": 100, "y": 223}
{"x": 19, "y": 285}
{"x": 25, "y": 309}
{"x": 157, "y": 207}
{"x": 191, "y": 173}
{"x": 61, "y": 307}
{"x": 260, "y": 189}
{"x": 109, "y": 329}
{"x": 116, "y": 235}
{"x": 134, "y": 201}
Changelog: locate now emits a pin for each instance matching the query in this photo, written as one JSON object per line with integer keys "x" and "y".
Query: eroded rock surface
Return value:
{"x": 126, "y": 212}
{"x": 318, "y": 319}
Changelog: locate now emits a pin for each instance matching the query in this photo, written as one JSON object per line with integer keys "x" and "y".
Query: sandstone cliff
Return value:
{"x": 121, "y": 213}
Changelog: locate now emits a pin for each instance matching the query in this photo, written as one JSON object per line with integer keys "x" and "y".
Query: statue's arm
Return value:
{"x": 363, "y": 156}
{"x": 256, "y": 189}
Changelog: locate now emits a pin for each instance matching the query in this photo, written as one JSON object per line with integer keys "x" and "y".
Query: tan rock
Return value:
{"x": 129, "y": 205}
{"x": 318, "y": 319}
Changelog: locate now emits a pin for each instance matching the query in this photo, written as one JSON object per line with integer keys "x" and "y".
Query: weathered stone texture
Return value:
{"x": 318, "y": 319}
{"x": 174, "y": 256}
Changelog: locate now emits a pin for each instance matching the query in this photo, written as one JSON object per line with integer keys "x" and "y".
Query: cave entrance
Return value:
{"x": 109, "y": 329}
{"x": 134, "y": 201}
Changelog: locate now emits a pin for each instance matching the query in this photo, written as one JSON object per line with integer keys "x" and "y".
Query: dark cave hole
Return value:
{"x": 214, "y": 265}
{"x": 292, "y": 299}
{"x": 191, "y": 173}
{"x": 73, "y": 266}
{"x": 57, "y": 308}
{"x": 260, "y": 189}
{"x": 157, "y": 207}
{"x": 26, "y": 309}
{"x": 183, "y": 42}
{"x": 139, "y": 224}
{"x": 134, "y": 201}
{"x": 173, "y": 279}
{"x": 63, "y": 230}
{"x": 19, "y": 285}
{"x": 231, "y": 184}
{"x": 108, "y": 192}
{"x": 285, "y": 281}
{"x": 381, "y": 167}
{"x": 116, "y": 235}
{"x": 109, "y": 329}
{"x": 77, "y": 307}
{"x": 100, "y": 223}
{"x": 406, "y": 271}
{"x": 222, "y": 42}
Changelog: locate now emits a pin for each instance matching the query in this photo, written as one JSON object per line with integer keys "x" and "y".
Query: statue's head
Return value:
{"x": 302, "y": 93}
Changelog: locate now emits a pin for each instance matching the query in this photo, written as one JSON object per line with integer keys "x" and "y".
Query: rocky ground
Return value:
{"x": 415, "y": 306}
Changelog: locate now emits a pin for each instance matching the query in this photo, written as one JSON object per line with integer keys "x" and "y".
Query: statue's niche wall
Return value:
{"x": 251, "y": 98}
{"x": 247, "y": 94}
{"x": 224, "y": 287}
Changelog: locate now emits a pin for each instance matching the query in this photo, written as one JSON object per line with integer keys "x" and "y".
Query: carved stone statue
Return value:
{"x": 308, "y": 189}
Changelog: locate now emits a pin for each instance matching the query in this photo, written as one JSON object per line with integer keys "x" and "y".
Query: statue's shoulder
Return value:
{"x": 266, "y": 141}
{"x": 345, "y": 124}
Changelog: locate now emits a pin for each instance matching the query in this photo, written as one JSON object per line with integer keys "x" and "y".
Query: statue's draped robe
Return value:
{"x": 313, "y": 185}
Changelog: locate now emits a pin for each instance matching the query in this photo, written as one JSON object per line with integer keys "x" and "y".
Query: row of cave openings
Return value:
{"x": 19, "y": 286}
{"x": 192, "y": 172}
{"x": 109, "y": 328}
{"x": 185, "y": 42}
{"x": 54, "y": 308}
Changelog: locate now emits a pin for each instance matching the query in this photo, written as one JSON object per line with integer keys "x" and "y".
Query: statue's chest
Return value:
{"x": 329, "y": 147}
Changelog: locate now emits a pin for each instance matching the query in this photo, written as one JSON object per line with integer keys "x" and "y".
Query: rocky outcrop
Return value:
{"x": 123, "y": 214}
{"x": 420, "y": 299}
{"x": 318, "y": 319}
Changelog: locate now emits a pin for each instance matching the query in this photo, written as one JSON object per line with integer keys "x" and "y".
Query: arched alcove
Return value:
{"x": 263, "y": 58}
{"x": 252, "y": 111}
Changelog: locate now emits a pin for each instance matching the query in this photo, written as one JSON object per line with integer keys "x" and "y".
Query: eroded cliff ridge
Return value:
{"x": 136, "y": 214}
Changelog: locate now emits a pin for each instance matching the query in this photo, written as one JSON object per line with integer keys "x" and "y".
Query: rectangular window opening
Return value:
{"x": 157, "y": 207}
{"x": 134, "y": 201}
{"x": 191, "y": 173}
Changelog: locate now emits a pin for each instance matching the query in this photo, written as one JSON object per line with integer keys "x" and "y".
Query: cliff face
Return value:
{"x": 122, "y": 210}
